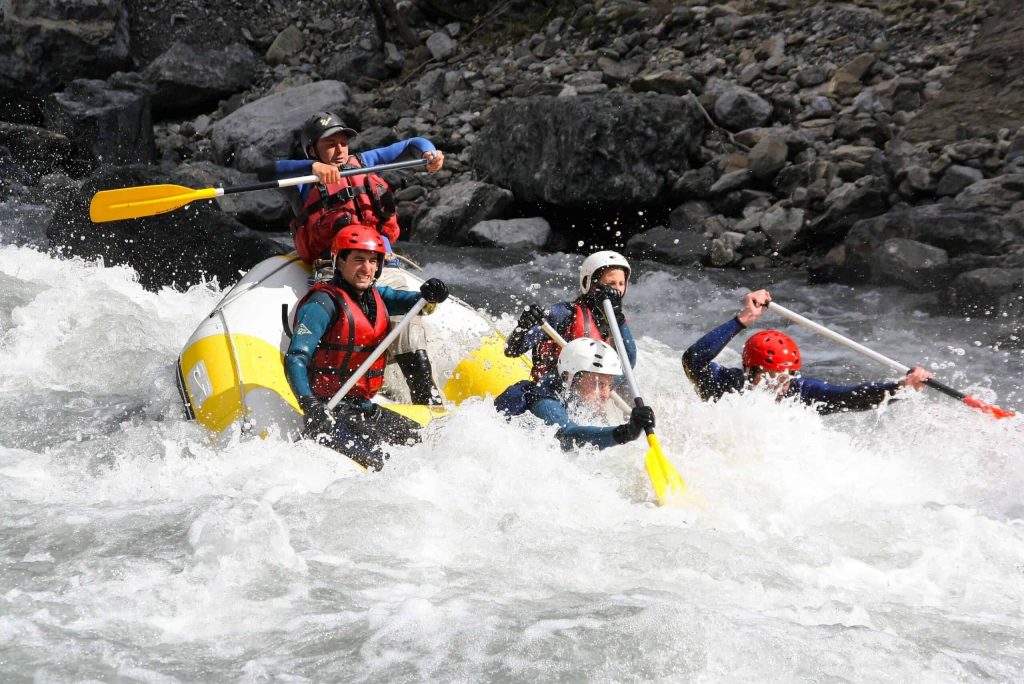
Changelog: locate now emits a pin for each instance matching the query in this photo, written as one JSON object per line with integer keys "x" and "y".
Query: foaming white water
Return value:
{"x": 880, "y": 546}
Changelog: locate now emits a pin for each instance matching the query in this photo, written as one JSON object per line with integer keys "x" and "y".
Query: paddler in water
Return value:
{"x": 603, "y": 275}
{"x": 337, "y": 324}
{"x": 772, "y": 359}
{"x": 586, "y": 369}
{"x": 334, "y": 202}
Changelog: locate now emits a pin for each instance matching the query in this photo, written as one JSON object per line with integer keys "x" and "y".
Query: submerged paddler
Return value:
{"x": 337, "y": 325}
{"x": 772, "y": 359}
{"x": 603, "y": 275}
{"x": 324, "y": 208}
{"x": 579, "y": 389}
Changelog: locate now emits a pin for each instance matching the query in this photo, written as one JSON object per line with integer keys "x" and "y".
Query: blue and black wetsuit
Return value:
{"x": 712, "y": 380}
{"x": 542, "y": 400}
{"x": 360, "y": 425}
{"x": 561, "y": 317}
{"x": 289, "y": 168}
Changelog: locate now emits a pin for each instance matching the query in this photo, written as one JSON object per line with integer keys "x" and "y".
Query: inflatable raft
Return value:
{"x": 231, "y": 370}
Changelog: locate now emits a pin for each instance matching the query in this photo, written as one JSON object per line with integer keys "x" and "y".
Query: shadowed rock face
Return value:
{"x": 589, "y": 150}
{"x": 178, "y": 248}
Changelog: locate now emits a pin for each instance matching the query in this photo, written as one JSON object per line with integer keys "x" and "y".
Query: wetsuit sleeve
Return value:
{"x": 571, "y": 435}
{"x": 415, "y": 147}
{"x": 399, "y": 302}
{"x": 828, "y": 398}
{"x": 709, "y": 379}
{"x": 287, "y": 168}
{"x": 518, "y": 343}
{"x": 312, "y": 322}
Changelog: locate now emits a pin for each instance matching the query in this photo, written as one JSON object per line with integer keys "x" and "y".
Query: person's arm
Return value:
{"x": 415, "y": 147}
{"x": 312, "y": 320}
{"x": 709, "y": 379}
{"x": 524, "y": 339}
{"x": 828, "y": 398}
{"x": 571, "y": 435}
{"x": 399, "y": 302}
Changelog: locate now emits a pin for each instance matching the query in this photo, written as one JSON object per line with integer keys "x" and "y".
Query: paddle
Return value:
{"x": 667, "y": 482}
{"x": 149, "y": 200}
{"x": 376, "y": 354}
{"x": 973, "y": 402}
{"x": 560, "y": 341}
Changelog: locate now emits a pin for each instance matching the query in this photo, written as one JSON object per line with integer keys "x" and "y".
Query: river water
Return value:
{"x": 885, "y": 546}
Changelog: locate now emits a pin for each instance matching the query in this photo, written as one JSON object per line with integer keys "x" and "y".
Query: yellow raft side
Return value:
{"x": 212, "y": 368}
{"x": 486, "y": 371}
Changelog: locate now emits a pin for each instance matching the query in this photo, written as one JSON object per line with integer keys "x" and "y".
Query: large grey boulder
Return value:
{"x": 946, "y": 227}
{"x": 994, "y": 194}
{"x": 737, "y": 108}
{"x": 457, "y": 208}
{"x": 531, "y": 233}
{"x": 265, "y": 130}
{"x": 260, "y": 210}
{"x": 106, "y": 122}
{"x": 910, "y": 263}
{"x": 669, "y": 246}
{"x": 52, "y": 42}
{"x": 190, "y": 79}
{"x": 589, "y": 151}
{"x": 989, "y": 292}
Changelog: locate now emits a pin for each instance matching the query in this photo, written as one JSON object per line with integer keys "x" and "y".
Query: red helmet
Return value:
{"x": 771, "y": 350}
{"x": 358, "y": 236}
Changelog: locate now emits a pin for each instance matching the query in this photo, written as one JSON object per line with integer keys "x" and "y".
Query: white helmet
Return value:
{"x": 586, "y": 354}
{"x": 597, "y": 261}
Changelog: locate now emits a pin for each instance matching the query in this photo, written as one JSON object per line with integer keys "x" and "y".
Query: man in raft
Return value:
{"x": 335, "y": 202}
{"x": 586, "y": 369}
{"x": 337, "y": 325}
{"x": 772, "y": 359}
{"x": 603, "y": 275}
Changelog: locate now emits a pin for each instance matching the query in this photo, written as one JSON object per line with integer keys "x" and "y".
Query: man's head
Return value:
{"x": 771, "y": 354}
{"x": 588, "y": 368}
{"x": 358, "y": 256}
{"x": 604, "y": 268}
{"x": 324, "y": 137}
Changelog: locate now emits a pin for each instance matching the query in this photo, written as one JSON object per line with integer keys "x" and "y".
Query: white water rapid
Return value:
{"x": 885, "y": 546}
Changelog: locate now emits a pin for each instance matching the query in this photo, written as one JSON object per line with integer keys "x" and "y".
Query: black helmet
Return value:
{"x": 321, "y": 125}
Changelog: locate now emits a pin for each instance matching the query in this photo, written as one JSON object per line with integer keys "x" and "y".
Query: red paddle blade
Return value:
{"x": 993, "y": 411}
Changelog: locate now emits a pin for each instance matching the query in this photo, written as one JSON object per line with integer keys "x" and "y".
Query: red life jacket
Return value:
{"x": 580, "y": 324}
{"x": 364, "y": 198}
{"x": 346, "y": 344}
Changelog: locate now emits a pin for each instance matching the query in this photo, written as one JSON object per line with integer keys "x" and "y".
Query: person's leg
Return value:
{"x": 410, "y": 350}
{"x": 363, "y": 433}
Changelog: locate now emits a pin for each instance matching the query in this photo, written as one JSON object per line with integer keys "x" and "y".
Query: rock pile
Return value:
{"x": 825, "y": 136}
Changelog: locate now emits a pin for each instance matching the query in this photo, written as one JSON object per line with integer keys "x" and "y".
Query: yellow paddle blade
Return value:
{"x": 668, "y": 484}
{"x": 145, "y": 200}
{"x": 485, "y": 371}
{"x": 417, "y": 412}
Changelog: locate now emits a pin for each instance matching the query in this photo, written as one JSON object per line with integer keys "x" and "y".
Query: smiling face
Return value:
{"x": 359, "y": 268}
{"x": 332, "y": 149}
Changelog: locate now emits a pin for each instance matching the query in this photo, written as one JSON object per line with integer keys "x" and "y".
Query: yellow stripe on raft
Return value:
{"x": 215, "y": 386}
{"x": 486, "y": 371}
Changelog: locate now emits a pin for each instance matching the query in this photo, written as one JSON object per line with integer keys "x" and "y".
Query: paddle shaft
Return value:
{"x": 150, "y": 200}
{"x": 376, "y": 353}
{"x": 861, "y": 349}
{"x": 620, "y": 347}
{"x": 560, "y": 341}
{"x": 301, "y": 180}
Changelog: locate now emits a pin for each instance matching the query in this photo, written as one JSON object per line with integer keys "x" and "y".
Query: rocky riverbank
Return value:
{"x": 862, "y": 142}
